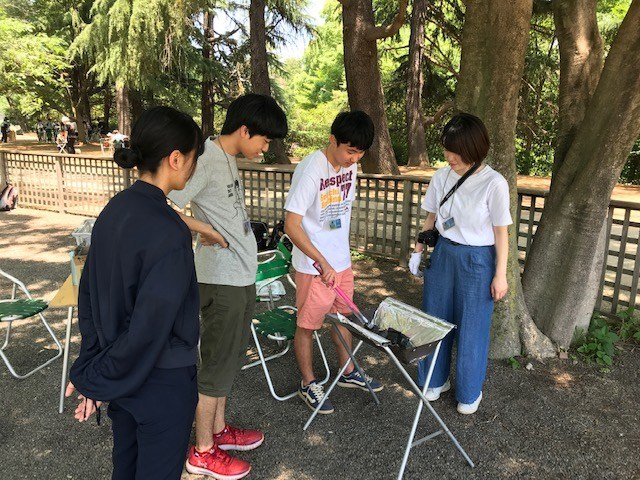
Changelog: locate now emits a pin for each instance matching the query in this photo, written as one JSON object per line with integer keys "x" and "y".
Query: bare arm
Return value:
{"x": 293, "y": 228}
{"x": 499, "y": 284}
{"x": 208, "y": 236}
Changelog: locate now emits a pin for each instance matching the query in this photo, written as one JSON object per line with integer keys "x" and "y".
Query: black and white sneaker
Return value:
{"x": 355, "y": 380}
{"x": 313, "y": 395}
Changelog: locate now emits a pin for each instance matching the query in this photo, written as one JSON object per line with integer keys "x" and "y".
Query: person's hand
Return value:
{"x": 414, "y": 263}
{"x": 211, "y": 237}
{"x": 327, "y": 273}
{"x": 85, "y": 408}
{"x": 499, "y": 287}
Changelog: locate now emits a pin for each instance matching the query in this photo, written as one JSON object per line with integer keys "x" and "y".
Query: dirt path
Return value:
{"x": 558, "y": 420}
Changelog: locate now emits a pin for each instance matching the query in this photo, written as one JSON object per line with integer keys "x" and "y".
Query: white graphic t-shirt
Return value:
{"x": 323, "y": 196}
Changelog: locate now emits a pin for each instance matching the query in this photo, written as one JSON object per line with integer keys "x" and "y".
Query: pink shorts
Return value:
{"x": 314, "y": 299}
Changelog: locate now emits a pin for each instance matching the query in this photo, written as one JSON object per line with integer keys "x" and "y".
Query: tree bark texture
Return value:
{"x": 581, "y": 60}
{"x": 558, "y": 278}
{"x": 79, "y": 93}
{"x": 494, "y": 44}
{"x": 107, "y": 102}
{"x": 364, "y": 85}
{"x": 416, "y": 137}
{"x": 123, "y": 109}
{"x": 207, "y": 97}
{"x": 260, "y": 81}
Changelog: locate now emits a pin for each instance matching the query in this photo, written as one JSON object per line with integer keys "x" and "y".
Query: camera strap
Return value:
{"x": 458, "y": 184}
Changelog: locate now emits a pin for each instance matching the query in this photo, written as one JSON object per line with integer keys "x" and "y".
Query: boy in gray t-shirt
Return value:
{"x": 226, "y": 265}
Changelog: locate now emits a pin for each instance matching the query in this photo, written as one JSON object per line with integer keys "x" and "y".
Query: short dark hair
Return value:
{"x": 158, "y": 132}
{"x": 355, "y": 128}
{"x": 259, "y": 113}
{"x": 466, "y": 135}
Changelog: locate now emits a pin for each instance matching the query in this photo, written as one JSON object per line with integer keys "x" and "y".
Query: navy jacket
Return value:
{"x": 138, "y": 297}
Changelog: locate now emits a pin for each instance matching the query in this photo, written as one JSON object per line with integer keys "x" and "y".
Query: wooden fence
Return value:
{"x": 386, "y": 215}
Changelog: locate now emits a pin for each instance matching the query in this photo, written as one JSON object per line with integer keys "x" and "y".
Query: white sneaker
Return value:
{"x": 469, "y": 408}
{"x": 433, "y": 394}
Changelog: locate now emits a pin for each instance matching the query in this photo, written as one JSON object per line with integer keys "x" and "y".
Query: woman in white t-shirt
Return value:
{"x": 468, "y": 203}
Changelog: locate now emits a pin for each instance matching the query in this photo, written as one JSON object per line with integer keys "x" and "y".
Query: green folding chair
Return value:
{"x": 277, "y": 324}
{"x": 13, "y": 309}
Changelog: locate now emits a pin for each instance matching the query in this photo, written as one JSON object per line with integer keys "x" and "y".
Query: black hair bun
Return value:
{"x": 126, "y": 157}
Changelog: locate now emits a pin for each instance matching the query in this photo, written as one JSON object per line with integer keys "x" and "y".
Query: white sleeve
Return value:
{"x": 430, "y": 202}
{"x": 302, "y": 194}
{"x": 195, "y": 185}
{"x": 498, "y": 201}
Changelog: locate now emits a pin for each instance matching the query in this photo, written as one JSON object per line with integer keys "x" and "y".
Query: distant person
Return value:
{"x": 138, "y": 306}
{"x": 4, "y": 127}
{"x": 72, "y": 135}
{"x": 40, "y": 131}
{"x": 48, "y": 130}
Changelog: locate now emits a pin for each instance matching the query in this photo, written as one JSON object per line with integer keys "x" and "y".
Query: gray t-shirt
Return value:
{"x": 217, "y": 199}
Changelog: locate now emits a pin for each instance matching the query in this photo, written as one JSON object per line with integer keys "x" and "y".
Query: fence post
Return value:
{"x": 405, "y": 228}
{"x": 58, "y": 162}
{"x": 3, "y": 170}
{"x": 126, "y": 177}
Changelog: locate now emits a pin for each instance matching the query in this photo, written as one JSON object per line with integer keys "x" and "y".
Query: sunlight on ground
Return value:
{"x": 315, "y": 440}
{"x": 563, "y": 379}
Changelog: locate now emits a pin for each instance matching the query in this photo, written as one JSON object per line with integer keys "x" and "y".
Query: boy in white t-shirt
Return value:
{"x": 317, "y": 221}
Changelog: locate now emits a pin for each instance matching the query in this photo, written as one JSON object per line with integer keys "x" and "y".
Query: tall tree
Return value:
{"x": 207, "y": 97}
{"x": 493, "y": 47}
{"x": 133, "y": 42}
{"x": 362, "y": 72}
{"x": 416, "y": 137}
{"x": 260, "y": 81}
{"x": 590, "y": 157}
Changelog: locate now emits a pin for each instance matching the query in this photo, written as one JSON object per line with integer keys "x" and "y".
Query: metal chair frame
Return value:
{"x": 17, "y": 284}
{"x": 269, "y": 256}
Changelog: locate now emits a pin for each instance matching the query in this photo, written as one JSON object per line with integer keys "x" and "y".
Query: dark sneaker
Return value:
{"x": 232, "y": 438}
{"x": 216, "y": 463}
{"x": 355, "y": 380}
{"x": 312, "y": 395}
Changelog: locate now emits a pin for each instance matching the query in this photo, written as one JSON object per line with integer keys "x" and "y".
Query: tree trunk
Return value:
{"x": 136, "y": 104}
{"x": 416, "y": 137}
{"x": 260, "y": 81}
{"x": 494, "y": 44}
{"x": 364, "y": 85}
{"x": 581, "y": 60}
{"x": 79, "y": 98}
{"x": 107, "y": 102}
{"x": 559, "y": 276}
{"x": 207, "y": 98}
{"x": 123, "y": 109}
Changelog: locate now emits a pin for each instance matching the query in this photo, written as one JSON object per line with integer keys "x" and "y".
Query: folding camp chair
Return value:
{"x": 277, "y": 324}
{"x": 17, "y": 309}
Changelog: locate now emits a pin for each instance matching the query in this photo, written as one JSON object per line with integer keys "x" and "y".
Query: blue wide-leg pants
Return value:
{"x": 457, "y": 288}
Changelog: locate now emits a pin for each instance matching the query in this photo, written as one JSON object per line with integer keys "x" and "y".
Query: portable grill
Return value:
{"x": 406, "y": 335}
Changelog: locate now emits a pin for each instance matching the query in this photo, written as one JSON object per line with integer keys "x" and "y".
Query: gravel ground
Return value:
{"x": 559, "y": 420}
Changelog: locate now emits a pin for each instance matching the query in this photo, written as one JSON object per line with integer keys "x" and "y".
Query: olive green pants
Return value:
{"x": 226, "y": 312}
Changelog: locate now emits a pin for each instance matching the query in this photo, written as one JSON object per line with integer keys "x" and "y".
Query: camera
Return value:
{"x": 429, "y": 237}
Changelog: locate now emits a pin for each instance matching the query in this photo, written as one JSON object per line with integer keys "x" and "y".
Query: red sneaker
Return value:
{"x": 232, "y": 438}
{"x": 217, "y": 464}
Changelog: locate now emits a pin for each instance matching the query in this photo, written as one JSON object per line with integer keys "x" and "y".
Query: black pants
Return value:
{"x": 151, "y": 428}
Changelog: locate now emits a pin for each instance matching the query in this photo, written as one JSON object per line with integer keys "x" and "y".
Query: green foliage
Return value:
{"x": 357, "y": 256}
{"x": 598, "y": 345}
{"x": 32, "y": 67}
{"x": 514, "y": 363}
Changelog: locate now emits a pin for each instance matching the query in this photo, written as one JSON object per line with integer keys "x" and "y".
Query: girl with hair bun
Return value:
{"x": 138, "y": 306}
